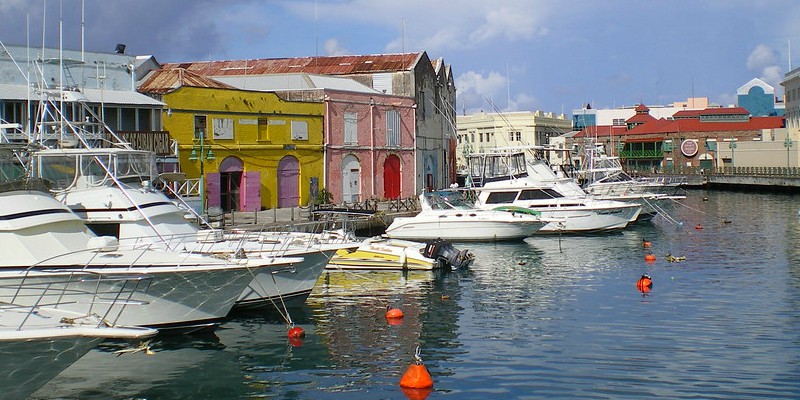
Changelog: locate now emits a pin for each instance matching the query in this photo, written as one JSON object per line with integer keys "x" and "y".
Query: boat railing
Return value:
{"x": 37, "y": 288}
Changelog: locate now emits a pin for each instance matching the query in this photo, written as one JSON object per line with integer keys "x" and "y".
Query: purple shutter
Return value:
{"x": 251, "y": 191}
{"x": 213, "y": 197}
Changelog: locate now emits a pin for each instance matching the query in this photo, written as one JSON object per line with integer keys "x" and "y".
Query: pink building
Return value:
{"x": 369, "y": 146}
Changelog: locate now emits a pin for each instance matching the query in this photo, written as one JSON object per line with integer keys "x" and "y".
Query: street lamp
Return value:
{"x": 788, "y": 144}
{"x": 732, "y": 145}
{"x": 199, "y": 154}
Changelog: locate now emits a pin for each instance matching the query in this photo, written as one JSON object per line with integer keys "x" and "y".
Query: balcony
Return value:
{"x": 649, "y": 154}
{"x": 155, "y": 141}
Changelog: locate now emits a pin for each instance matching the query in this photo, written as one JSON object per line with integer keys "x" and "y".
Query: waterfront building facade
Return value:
{"x": 104, "y": 82}
{"x": 368, "y": 135}
{"x": 429, "y": 83}
{"x": 253, "y": 149}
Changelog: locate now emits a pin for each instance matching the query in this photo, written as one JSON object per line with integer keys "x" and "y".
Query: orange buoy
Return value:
{"x": 698, "y": 227}
{"x": 650, "y": 257}
{"x": 417, "y": 375}
{"x": 646, "y": 243}
{"x": 416, "y": 394}
{"x": 393, "y": 313}
{"x": 644, "y": 284}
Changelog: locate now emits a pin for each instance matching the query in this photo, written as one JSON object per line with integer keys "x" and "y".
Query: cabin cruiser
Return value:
{"x": 111, "y": 190}
{"x": 448, "y": 215}
{"x": 382, "y": 253}
{"x": 503, "y": 179}
{"x": 40, "y": 237}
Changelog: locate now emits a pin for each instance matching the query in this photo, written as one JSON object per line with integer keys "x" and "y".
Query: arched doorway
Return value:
{"x": 288, "y": 182}
{"x": 230, "y": 180}
{"x": 351, "y": 179}
{"x": 391, "y": 177}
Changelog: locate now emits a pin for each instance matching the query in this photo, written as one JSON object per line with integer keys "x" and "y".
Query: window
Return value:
{"x": 501, "y": 197}
{"x": 472, "y": 137}
{"x": 200, "y": 127}
{"x": 299, "y": 130}
{"x": 392, "y": 128}
{"x": 511, "y": 136}
{"x": 350, "y": 128}
{"x": 263, "y": 129}
{"x": 539, "y": 194}
{"x": 619, "y": 122}
{"x": 480, "y": 137}
{"x": 519, "y": 136}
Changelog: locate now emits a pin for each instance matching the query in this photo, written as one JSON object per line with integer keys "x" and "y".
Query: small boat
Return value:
{"x": 447, "y": 215}
{"x": 386, "y": 253}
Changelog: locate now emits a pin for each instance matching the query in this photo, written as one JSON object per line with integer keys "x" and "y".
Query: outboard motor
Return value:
{"x": 444, "y": 252}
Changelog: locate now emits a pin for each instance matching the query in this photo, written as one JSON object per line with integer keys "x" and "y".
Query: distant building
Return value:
{"x": 758, "y": 98}
{"x": 485, "y": 131}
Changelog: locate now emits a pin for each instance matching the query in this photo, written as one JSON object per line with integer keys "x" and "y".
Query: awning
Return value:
{"x": 644, "y": 140}
{"x": 94, "y": 96}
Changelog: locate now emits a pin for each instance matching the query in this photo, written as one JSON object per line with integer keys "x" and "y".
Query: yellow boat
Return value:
{"x": 385, "y": 253}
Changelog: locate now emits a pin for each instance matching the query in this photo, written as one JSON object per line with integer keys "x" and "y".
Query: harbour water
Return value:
{"x": 551, "y": 317}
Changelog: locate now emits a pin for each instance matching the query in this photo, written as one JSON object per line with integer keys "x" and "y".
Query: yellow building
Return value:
{"x": 254, "y": 149}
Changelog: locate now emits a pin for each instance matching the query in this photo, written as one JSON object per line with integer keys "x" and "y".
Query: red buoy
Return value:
{"x": 644, "y": 284}
{"x": 297, "y": 332}
{"x": 649, "y": 257}
{"x": 646, "y": 243}
{"x": 698, "y": 227}
{"x": 417, "y": 375}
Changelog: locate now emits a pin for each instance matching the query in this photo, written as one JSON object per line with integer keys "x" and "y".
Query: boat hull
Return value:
{"x": 462, "y": 231}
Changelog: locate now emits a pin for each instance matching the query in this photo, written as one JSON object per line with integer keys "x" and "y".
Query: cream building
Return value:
{"x": 484, "y": 131}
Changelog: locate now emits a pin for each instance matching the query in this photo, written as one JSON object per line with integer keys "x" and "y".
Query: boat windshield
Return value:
{"x": 66, "y": 170}
{"x": 448, "y": 201}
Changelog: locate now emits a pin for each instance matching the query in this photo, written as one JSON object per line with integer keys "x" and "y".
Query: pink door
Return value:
{"x": 391, "y": 177}
{"x": 288, "y": 182}
{"x": 251, "y": 191}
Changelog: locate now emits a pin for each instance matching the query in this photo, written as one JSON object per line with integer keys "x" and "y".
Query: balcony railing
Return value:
{"x": 641, "y": 154}
{"x": 155, "y": 141}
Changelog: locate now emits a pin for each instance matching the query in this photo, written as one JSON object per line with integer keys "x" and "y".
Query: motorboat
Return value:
{"x": 377, "y": 253}
{"x": 111, "y": 190}
{"x": 448, "y": 215}
{"x": 502, "y": 179}
{"x": 38, "y": 342}
{"x": 40, "y": 237}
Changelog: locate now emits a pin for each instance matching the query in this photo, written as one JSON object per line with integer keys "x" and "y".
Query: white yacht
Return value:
{"x": 110, "y": 188}
{"x": 504, "y": 179}
{"x": 40, "y": 237}
{"x": 446, "y": 215}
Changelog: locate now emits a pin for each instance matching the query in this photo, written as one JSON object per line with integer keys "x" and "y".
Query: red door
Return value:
{"x": 391, "y": 177}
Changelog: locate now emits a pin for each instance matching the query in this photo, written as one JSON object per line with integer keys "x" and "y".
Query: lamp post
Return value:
{"x": 732, "y": 145}
{"x": 202, "y": 157}
{"x": 788, "y": 144}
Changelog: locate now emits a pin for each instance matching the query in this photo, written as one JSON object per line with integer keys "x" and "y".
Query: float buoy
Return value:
{"x": 698, "y": 227}
{"x": 417, "y": 375}
{"x": 646, "y": 243}
{"x": 644, "y": 284}
{"x": 297, "y": 332}
{"x": 394, "y": 313}
{"x": 296, "y": 336}
{"x": 726, "y": 221}
{"x": 649, "y": 257}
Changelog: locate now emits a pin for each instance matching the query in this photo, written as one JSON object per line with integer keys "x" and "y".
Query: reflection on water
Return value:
{"x": 548, "y": 317}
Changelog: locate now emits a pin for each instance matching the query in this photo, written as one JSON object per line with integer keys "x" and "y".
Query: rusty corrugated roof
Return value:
{"x": 326, "y": 65}
{"x": 167, "y": 80}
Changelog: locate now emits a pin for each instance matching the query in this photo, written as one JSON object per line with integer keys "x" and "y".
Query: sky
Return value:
{"x": 508, "y": 55}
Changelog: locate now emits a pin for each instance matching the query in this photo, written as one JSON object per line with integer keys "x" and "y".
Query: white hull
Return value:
{"x": 587, "y": 220}
{"x": 476, "y": 229}
{"x": 289, "y": 286}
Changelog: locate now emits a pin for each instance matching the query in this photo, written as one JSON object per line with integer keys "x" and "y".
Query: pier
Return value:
{"x": 741, "y": 178}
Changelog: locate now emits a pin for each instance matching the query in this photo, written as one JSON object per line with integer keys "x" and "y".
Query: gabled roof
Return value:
{"x": 642, "y": 108}
{"x": 640, "y": 118}
{"x": 711, "y": 111}
{"x": 168, "y": 80}
{"x": 326, "y": 65}
{"x": 602, "y": 130}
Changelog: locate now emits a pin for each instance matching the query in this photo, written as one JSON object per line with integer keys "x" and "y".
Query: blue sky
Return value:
{"x": 515, "y": 55}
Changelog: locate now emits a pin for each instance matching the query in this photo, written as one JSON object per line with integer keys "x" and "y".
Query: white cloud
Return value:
{"x": 477, "y": 91}
{"x": 773, "y": 75}
{"x": 334, "y": 48}
{"x": 761, "y": 57}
